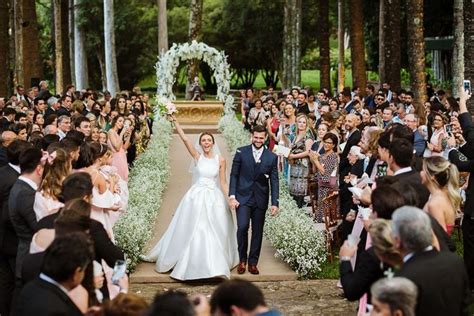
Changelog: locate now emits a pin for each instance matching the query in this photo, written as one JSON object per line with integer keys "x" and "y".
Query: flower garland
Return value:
{"x": 291, "y": 232}
{"x": 148, "y": 180}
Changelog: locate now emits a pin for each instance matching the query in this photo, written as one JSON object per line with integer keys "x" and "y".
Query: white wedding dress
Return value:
{"x": 200, "y": 241}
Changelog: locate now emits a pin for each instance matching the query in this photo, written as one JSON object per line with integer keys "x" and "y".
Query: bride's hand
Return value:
{"x": 233, "y": 203}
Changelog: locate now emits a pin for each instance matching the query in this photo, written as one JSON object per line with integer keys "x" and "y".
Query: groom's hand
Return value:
{"x": 233, "y": 203}
{"x": 274, "y": 210}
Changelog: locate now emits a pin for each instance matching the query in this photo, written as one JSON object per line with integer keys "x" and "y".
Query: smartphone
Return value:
{"x": 381, "y": 171}
{"x": 120, "y": 269}
{"x": 126, "y": 124}
{"x": 448, "y": 128}
{"x": 467, "y": 86}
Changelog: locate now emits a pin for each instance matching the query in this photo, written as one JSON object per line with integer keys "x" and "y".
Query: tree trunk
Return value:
{"x": 469, "y": 46}
{"x": 103, "y": 71}
{"x": 291, "y": 73}
{"x": 416, "y": 51}
{"x": 4, "y": 47}
{"x": 71, "y": 40}
{"x": 359, "y": 77}
{"x": 162, "y": 27}
{"x": 80, "y": 57}
{"x": 458, "y": 49}
{"x": 340, "y": 42}
{"x": 109, "y": 42}
{"x": 324, "y": 50}
{"x": 18, "y": 16}
{"x": 58, "y": 47}
{"x": 65, "y": 42}
{"x": 389, "y": 43}
{"x": 195, "y": 26}
{"x": 32, "y": 64}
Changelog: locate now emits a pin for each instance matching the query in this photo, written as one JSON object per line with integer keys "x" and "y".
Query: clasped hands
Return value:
{"x": 234, "y": 204}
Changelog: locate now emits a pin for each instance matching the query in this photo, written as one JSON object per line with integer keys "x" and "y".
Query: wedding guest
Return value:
{"x": 8, "y": 238}
{"x": 21, "y": 201}
{"x": 299, "y": 160}
{"x": 434, "y": 147}
{"x": 440, "y": 277}
{"x": 57, "y": 168}
{"x": 273, "y": 125}
{"x": 239, "y": 297}
{"x": 126, "y": 305}
{"x": 257, "y": 114}
{"x": 63, "y": 269}
{"x": 326, "y": 174}
{"x": 64, "y": 126}
{"x": 442, "y": 180}
{"x": 118, "y": 140}
{"x": 172, "y": 303}
{"x": 394, "y": 296}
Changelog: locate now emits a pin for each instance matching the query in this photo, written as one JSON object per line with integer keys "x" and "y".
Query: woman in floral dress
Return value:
{"x": 326, "y": 174}
{"x": 299, "y": 160}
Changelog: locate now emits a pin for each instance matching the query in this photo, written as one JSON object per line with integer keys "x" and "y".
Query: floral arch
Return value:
{"x": 168, "y": 63}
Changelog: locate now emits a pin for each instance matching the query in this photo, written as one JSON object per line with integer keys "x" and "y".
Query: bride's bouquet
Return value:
{"x": 168, "y": 108}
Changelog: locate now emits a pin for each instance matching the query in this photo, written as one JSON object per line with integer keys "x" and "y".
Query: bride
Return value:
{"x": 200, "y": 241}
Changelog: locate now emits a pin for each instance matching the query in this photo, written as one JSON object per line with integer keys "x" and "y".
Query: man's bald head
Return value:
{"x": 7, "y": 138}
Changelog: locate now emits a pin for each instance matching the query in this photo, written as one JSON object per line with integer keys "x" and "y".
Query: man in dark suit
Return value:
{"x": 6, "y": 139}
{"x": 7, "y": 119}
{"x": 253, "y": 169}
{"x": 440, "y": 277}
{"x": 400, "y": 160}
{"x": 8, "y": 240}
{"x": 352, "y": 139}
{"x": 21, "y": 201}
{"x": 65, "y": 108}
{"x": 64, "y": 265}
{"x": 419, "y": 143}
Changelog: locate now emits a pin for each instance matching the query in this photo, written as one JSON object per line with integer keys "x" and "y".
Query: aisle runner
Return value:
{"x": 271, "y": 268}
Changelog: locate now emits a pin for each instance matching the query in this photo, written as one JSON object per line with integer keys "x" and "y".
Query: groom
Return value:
{"x": 253, "y": 169}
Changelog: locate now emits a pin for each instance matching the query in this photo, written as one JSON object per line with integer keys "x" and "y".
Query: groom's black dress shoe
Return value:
{"x": 253, "y": 269}
{"x": 241, "y": 268}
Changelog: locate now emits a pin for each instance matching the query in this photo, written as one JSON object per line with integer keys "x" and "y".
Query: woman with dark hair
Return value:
{"x": 103, "y": 119}
{"x": 451, "y": 105}
{"x": 118, "y": 141}
{"x": 121, "y": 106}
{"x": 326, "y": 174}
{"x": 436, "y": 135}
{"x": 245, "y": 105}
{"x": 51, "y": 120}
{"x": 20, "y": 130}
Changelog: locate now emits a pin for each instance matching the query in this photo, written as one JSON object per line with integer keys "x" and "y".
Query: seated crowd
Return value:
{"x": 379, "y": 153}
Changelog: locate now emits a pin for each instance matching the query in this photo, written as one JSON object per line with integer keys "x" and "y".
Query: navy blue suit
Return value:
{"x": 249, "y": 183}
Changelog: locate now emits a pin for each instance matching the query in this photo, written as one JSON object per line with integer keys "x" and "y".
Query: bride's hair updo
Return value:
{"x": 206, "y": 133}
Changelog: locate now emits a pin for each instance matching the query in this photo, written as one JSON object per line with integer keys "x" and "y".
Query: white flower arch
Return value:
{"x": 168, "y": 63}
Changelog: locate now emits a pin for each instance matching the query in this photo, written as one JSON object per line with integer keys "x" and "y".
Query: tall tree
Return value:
{"x": 389, "y": 43}
{"x": 458, "y": 49}
{"x": 71, "y": 40}
{"x": 18, "y": 27}
{"x": 109, "y": 43}
{"x": 469, "y": 46}
{"x": 58, "y": 47}
{"x": 291, "y": 72}
{"x": 324, "y": 49}
{"x": 32, "y": 64}
{"x": 4, "y": 39}
{"x": 416, "y": 51}
{"x": 340, "y": 43}
{"x": 195, "y": 33}
{"x": 65, "y": 42}
{"x": 162, "y": 26}
{"x": 80, "y": 57}
{"x": 359, "y": 76}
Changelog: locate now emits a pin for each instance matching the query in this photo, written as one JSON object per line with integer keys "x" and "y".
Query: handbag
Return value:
{"x": 330, "y": 184}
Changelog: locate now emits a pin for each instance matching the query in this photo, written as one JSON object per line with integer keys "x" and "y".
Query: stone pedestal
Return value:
{"x": 199, "y": 112}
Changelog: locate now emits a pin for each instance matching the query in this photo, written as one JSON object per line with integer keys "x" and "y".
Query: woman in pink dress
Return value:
{"x": 118, "y": 141}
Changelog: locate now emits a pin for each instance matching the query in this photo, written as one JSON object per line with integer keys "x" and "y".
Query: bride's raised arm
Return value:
{"x": 185, "y": 139}
{"x": 222, "y": 176}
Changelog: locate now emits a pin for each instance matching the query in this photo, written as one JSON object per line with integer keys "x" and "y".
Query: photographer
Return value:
{"x": 196, "y": 90}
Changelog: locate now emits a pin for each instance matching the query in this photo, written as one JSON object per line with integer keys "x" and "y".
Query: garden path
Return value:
{"x": 271, "y": 268}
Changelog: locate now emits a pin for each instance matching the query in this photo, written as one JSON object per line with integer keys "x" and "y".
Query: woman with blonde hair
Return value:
{"x": 442, "y": 180}
{"x": 57, "y": 167}
{"x": 380, "y": 231}
{"x": 299, "y": 160}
